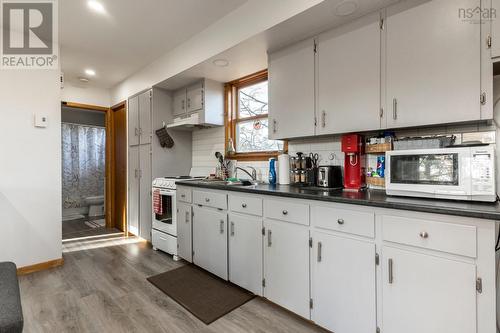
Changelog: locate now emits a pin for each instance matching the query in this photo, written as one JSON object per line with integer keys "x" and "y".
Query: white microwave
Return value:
{"x": 462, "y": 173}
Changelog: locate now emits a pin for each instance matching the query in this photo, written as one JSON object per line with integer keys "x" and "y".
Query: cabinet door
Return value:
{"x": 286, "y": 265}
{"x": 349, "y": 78}
{"x": 195, "y": 97}
{"x": 343, "y": 284}
{"x": 245, "y": 252}
{"x": 133, "y": 121}
{"x": 145, "y": 118}
{"x": 210, "y": 240}
{"x": 184, "y": 232}
{"x": 291, "y": 91}
{"x": 179, "y": 102}
{"x": 433, "y": 69}
{"x": 425, "y": 293}
{"x": 133, "y": 190}
{"x": 495, "y": 30}
{"x": 145, "y": 199}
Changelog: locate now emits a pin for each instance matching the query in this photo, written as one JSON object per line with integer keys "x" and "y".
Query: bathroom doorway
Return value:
{"x": 87, "y": 147}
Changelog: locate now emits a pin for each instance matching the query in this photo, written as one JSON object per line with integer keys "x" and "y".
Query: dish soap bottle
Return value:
{"x": 272, "y": 171}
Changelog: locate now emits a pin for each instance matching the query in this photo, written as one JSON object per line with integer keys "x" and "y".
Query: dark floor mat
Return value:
{"x": 206, "y": 296}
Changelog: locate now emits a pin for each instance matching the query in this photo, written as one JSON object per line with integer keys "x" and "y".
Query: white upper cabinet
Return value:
{"x": 291, "y": 91}
{"x": 179, "y": 102}
{"x": 433, "y": 64}
{"x": 194, "y": 94}
{"x": 133, "y": 121}
{"x": 426, "y": 293}
{"x": 495, "y": 29}
{"x": 145, "y": 131}
{"x": 348, "y": 90}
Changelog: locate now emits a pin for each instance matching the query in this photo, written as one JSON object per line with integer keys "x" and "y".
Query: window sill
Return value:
{"x": 258, "y": 156}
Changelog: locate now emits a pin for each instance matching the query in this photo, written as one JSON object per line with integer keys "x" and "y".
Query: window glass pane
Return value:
{"x": 251, "y": 136}
{"x": 252, "y": 100}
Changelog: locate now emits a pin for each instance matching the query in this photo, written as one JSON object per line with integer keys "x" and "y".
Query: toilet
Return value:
{"x": 96, "y": 205}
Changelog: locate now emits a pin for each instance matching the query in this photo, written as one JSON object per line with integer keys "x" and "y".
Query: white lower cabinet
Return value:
{"x": 184, "y": 231}
{"x": 427, "y": 293}
{"x": 245, "y": 252}
{"x": 210, "y": 240}
{"x": 286, "y": 265}
{"x": 343, "y": 284}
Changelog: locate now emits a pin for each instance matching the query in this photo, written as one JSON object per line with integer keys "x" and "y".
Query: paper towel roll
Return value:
{"x": 284, "y": 169}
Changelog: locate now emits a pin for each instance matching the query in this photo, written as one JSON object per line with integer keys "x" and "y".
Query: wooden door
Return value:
{"x": 210, "y": 240}
{"x": 245, "y": 252}
{"x": 184, "y": 231}
{"x": 343, "y": 284}
{"x": 433, "y": 64}
{"x": 348, "y": 72}
{"x": 133, "y": 121}
{"x": 286, "y": 265}
{"x": 145, "y": 130}
{"x": 291, "y": 91}
{"x": 118, "y": 193}
{"x": 426, "y": 293}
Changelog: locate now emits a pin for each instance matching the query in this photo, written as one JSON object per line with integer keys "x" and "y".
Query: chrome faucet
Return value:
{"x": 252, "y": 175}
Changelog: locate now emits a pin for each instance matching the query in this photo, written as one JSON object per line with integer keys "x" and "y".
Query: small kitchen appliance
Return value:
{"x": 354, "y": 175}
{"x": 329, "y": 176}
{"x": 463, "y": 173}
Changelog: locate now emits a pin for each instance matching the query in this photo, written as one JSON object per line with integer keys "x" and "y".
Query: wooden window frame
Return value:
{"x": 231, "y": 117}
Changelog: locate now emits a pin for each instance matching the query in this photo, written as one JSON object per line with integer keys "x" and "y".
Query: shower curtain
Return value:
{"x": 83, "y": 163}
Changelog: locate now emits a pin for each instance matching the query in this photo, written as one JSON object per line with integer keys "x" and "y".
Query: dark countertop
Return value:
{"x": 374, "y": 198}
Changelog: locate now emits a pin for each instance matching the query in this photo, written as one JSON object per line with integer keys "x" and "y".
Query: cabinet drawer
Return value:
{"x": 184, "y": 194}
{"x": 290, "y": 211}
{"x": 246, "y": 205}
{"x": 210, "y": 199}
{"x": 447, "y": 237}
{"x": 345, "y": 220}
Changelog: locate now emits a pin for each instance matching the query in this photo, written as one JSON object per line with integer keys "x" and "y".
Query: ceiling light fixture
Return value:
{"x": 96, "y": 6}
{"x": 346, "y": 8}
{"x": 221, "y": 62}
{"x": 90, "y": 72}
{"x": 83, "y": 79}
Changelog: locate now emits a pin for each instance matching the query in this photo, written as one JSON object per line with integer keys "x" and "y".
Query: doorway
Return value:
{"x": 93, "y": 140}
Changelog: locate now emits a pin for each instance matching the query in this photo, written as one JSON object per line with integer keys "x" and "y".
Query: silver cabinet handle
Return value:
{"x": 320, "y": 247}
{"x": 189, "y": 102}
{"x": 140, "y": 131}
{"x": 183, "y": 195}
{"x": 136, "y": 173}
{"x": 391, "y": 277}
{"x": 340, "y": 221}
{"x": 424, "y": 234}
{"x": 221, "y": 226}
{"x": 187, "y": 217}
{"x": 274, "y": 125}
{"x": 323, "y": 118}
{"x": 183, "y": 104}
{"x": 207, "y": 200}
{"x": 394, "y": 108}
{"x": 269, "y": 240}
{"x": 136, "y": 131}
{"x": 244, "y": 205}
{"x": 232, "y": 228}
{"x": 285, "y": 212}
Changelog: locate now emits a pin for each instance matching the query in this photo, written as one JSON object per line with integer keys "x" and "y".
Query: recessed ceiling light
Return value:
{"x": 346, "y": 8}
{"x": 90, "y": 72}
{"x": 221, "y": 62}
{"x": 96, "y": 6}
{"x": 83, "y": 79}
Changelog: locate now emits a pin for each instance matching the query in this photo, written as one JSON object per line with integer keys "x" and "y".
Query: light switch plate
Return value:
{"x": 41, "y": 121}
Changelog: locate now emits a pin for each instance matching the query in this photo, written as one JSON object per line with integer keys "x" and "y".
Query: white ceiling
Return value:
{"x": 130, "y": 35}
{"x": 250, "y": 56}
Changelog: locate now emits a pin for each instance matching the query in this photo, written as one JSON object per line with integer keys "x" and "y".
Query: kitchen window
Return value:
{"x": 247, "y": 122}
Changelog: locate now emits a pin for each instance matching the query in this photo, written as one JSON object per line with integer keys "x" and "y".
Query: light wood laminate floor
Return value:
{"x": 102, "y": 287}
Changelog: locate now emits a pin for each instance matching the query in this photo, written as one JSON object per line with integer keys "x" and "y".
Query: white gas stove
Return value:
{"x": 164, "y": 233}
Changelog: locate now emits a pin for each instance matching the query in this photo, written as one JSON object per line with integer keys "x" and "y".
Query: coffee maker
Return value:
{"x": 354, "y": 173}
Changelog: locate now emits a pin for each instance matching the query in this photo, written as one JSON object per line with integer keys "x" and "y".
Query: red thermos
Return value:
{"x": 354, "y": 173}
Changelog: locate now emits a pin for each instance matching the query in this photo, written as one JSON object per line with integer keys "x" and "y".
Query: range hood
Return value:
{"x": 188, "y": 123}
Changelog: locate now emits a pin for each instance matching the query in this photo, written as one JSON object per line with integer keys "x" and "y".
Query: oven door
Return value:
{"x": 166, "y": 222}
{"x": 438, "y": 173}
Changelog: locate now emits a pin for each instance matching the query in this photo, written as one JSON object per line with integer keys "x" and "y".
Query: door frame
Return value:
{"x": 110, "y": 156}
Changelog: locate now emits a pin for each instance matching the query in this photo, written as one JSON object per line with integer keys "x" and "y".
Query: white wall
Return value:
{"x": 86, "y": 95}
{"x": 30, "y": 167}
{"x": 252, "y": 18}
